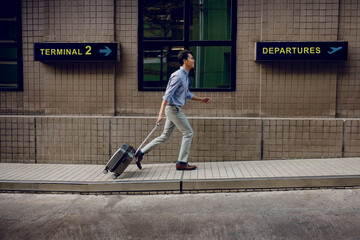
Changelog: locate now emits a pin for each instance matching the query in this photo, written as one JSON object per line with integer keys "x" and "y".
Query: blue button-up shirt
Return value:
{"x": 177, "y": 90}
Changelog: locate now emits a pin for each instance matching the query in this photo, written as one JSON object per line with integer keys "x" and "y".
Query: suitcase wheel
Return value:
{"x": 115, "y": 176}
{"x": 105, "y": 171}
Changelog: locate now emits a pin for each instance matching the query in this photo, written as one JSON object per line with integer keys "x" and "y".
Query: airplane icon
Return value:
{"x": 334, "y": 49}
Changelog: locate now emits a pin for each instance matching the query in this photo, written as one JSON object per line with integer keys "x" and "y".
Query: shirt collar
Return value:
{"x": 183, "y": 70}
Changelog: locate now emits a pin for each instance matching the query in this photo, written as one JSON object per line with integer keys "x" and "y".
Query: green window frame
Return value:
{"x": 11, "y": 68}
{"x": 205, "y": 27}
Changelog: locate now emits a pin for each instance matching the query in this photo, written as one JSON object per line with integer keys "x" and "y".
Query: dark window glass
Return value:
{"x": 163, "y": 19}
{"x": 8, "y": 75}
{"x": 205, "y": 27}
{"x": 159, "y": 64}
{"x": 10, "y": 47}
{"x": 10, "y": 9}
{"x": 212, "y": 67}
{"x": 210, "y": 20}
{"x": 8, "y": 53}
{"x": 8, "y": 30}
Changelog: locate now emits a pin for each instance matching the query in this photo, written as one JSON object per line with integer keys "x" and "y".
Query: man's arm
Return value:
{"x": 200, "y": 99}
{"x": 161, "y": 112}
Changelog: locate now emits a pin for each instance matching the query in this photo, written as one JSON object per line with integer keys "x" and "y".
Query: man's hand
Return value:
{"x": 160, "y": 118}
{"x": 201, "y": 99}
{"x": 206, "y": 100}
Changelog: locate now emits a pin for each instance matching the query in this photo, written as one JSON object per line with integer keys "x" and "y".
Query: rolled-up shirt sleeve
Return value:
{"x": 170, "y": 90}
{"x": 189, "y": 95}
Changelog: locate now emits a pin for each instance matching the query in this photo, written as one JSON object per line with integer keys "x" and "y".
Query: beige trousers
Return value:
{"x": 175, "y": 117}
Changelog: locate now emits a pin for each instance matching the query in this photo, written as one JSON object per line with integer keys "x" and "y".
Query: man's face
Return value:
{"x": 190, "y": 61}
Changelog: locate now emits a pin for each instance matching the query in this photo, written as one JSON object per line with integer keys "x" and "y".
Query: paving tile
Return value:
{"x": 97, "y": 174}
{"x": 165, "y": 177}
{"x": 15, "y": 169}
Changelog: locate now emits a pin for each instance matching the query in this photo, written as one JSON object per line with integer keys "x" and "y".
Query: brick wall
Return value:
{"x": 348, "y": 84}
{"x": 81, "y": 112}
{"x": 92, "y": 140}
{"x": 315, "y": 138}
{"x": 17, "y": 139}
{"x": 313, "y": 89}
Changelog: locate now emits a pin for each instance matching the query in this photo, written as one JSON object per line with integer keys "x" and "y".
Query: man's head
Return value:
{"x": 185, "y": 57}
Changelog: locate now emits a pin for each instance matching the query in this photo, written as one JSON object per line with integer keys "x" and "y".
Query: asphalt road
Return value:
{"x": 310, "y": 214}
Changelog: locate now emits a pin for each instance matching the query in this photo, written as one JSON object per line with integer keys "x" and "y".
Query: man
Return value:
{"x": 177, "y": 91}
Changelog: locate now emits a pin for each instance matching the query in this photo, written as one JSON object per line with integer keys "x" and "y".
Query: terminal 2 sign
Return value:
{"x": 76, "y": 52}
{"x": 301, "y": 51}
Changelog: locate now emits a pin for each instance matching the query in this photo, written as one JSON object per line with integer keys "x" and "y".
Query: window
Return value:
{"x": 205, "y": 27}
{"x": 10, "y": 47}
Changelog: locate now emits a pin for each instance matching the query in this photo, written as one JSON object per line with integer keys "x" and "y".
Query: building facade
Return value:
{"x": 81, "y": 112}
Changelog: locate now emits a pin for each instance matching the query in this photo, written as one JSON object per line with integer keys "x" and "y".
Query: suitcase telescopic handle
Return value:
{"x": 156, "y": 125}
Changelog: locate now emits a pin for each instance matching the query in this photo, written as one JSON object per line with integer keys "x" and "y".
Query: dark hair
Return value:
{"x": 183, "y": 55}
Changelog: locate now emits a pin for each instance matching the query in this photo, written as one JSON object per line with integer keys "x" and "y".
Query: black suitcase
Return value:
{"x": 123, "y": 157}
{"x": 120, "y": 160}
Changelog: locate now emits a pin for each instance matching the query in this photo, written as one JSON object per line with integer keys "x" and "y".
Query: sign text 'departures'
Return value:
{"x": 301, "y": 51}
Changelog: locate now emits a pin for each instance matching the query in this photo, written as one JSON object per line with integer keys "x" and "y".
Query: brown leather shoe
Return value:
{"x": 138, "y": 158}
{"x": 185, "y": 166}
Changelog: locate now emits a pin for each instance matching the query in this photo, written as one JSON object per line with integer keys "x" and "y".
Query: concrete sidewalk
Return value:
{"x": 214, "y": 176}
